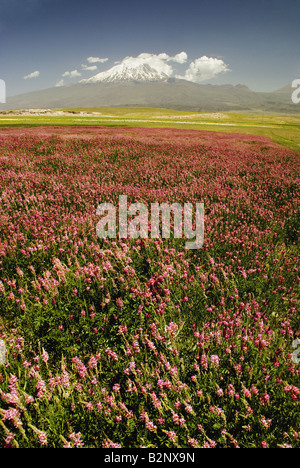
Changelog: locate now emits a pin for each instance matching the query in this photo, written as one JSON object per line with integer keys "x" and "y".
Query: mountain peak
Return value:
{"x": 128, "y": 72}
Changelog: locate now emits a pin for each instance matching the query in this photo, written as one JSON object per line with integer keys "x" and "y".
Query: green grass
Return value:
{"x": 283, "y": 129}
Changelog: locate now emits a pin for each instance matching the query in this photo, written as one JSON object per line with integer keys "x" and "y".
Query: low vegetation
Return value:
{"x": 140, "y": 342}
{"x": 283, "y": 129}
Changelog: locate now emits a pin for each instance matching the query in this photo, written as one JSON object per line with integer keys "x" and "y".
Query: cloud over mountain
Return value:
{"x": 204, "y": 68}
{"x": 160, "y": 62}
{"x": 96, "y": 60}
{"x": 89, "y": 67}
{"x": 71, "y": 74}
{"x": 162, "y": 66}
{"x": 34, "y": 74}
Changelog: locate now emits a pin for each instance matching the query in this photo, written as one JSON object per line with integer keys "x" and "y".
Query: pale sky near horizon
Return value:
{"x": 45, "y": 43}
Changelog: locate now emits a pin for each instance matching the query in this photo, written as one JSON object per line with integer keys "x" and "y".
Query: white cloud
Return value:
{"x": 154, "y": 61}
{"x": 34, "y": 74}
{"x": 88, "y": 67}
{"x": 204, "y": 68}
{"x": 71, "y": 74}
{"x": 96, "y": 60}
{"x": 160, "y": 62}
{"x": 59, "y": 83}
{"x": 179, "y": 58}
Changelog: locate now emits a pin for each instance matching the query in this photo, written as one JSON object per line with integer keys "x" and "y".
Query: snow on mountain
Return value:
{"x": 125, "y": 72}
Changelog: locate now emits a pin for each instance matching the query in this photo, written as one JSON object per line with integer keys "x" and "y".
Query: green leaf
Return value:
{"x": 217, "y": 426}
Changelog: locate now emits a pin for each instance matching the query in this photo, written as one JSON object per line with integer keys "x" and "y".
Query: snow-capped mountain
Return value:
{"x": 125, "y": 72}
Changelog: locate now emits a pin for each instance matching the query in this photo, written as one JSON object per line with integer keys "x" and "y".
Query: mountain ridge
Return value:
{"x": 124, "y": 72}
{"x": 169, "y": 93}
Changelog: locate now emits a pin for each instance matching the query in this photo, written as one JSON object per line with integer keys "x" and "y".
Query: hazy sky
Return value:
{"x": 44, "y": 43}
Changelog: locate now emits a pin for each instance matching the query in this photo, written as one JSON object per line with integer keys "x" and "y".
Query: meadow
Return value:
{"x": 283, "y": 129}
{"x": 141, "y": 342}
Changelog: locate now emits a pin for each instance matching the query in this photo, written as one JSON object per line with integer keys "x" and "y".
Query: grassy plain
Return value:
{"x": 283, "y": 129}
{"x": 129, "y": 343}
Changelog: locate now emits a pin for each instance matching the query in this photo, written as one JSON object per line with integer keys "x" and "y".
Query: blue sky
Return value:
{"x": 254, "y": 43}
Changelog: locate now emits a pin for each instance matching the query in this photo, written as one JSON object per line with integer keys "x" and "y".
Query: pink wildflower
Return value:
{"x": 215, "y": 360}
{"x": 193, "y": 442}
{"x": 76, "y": 438}
{"x": 172, "y": 435}
{"x": 42, "y": 436}
{"x": 92, "y": 362}
{"x": 151, "y": 426}
{"x": 45, "y": 356}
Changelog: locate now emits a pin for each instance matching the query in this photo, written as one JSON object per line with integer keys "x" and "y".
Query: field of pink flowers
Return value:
{"x": 143, "y": 343}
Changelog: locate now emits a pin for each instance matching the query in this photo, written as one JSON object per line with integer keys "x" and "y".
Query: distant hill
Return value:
{"x": 146, "y": 89}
